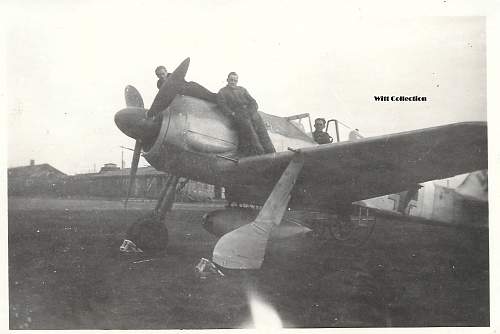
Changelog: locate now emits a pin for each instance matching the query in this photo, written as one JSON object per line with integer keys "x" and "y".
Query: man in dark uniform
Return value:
{"x": 191, "y": 88}
{"x": 236, "y": 103}
{"x": 162, "y": 74}
{"x": 320, "y": 136}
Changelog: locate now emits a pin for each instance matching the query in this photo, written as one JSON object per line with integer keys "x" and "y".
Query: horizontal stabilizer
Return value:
{"x": 475, "y": 186}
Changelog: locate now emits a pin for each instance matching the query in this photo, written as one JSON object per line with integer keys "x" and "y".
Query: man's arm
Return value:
{"x": 222, "y": 103}
{"x": 253, "y": 104}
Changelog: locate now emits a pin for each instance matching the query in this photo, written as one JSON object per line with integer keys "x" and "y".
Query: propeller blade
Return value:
{"x": 133, "y": 168}
{"x": 133, "y": 98}
{"x": 173, "y": 85}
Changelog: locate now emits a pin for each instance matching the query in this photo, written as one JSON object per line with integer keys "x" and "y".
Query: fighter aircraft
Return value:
{"x": 189, "y": 137}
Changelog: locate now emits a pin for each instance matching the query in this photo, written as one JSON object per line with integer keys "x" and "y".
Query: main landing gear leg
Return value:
{"x": 245, "y": 247}
{"x": 149, "y": 233}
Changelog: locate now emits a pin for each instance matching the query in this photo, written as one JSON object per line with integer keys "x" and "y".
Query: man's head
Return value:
{"x": 161, "y": 72}
{"x": 232, "y": 79}
{"x": 319, "y": 124}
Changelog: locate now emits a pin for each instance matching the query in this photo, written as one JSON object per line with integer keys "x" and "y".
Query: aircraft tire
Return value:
{"x": 149, "y": 234}
{"x": 341, "y": 229}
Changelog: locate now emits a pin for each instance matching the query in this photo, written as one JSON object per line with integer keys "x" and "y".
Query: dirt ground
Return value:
{"x": 66, "y": 272}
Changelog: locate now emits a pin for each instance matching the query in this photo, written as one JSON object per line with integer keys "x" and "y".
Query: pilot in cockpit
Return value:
{"x": 320, "y": 136}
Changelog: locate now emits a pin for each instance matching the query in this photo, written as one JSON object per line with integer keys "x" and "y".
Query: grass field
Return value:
{"x": 66, "y": 272}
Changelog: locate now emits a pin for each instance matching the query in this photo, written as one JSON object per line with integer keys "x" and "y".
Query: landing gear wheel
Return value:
{"x": 319, "y": 228}
{"x": 342, "y": 228}
{"x": 149, "y": 234}
{"x": 355, "y": 229}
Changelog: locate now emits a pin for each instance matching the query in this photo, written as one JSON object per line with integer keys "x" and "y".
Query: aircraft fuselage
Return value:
{"x": 196, "y": 141}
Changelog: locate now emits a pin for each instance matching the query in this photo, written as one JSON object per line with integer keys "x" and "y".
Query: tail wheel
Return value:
{"x": 351, "y": 229}
{"x": 342, "y": 228}
{"x": 354, "y": 229}
{"x": 320, "y": 227}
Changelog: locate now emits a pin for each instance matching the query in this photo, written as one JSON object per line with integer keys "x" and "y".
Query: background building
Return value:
{"x": 113, "y": 182}
{"x": 35, "y": 180}
{"x": 110, "y": 182}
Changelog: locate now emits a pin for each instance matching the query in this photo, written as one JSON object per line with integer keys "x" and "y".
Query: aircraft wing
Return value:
{"x": 371, "y": 167}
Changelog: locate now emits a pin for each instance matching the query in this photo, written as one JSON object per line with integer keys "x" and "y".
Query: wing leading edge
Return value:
{"x": 370, "y": 167}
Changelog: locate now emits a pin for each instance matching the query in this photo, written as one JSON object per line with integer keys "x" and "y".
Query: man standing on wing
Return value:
{"x": 236, "y": 103}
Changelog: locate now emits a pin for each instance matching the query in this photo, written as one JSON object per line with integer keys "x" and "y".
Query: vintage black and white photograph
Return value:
{"x": 246, "y": 165}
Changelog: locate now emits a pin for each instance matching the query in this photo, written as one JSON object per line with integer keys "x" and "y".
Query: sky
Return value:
{"x": 67, "y": 64}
